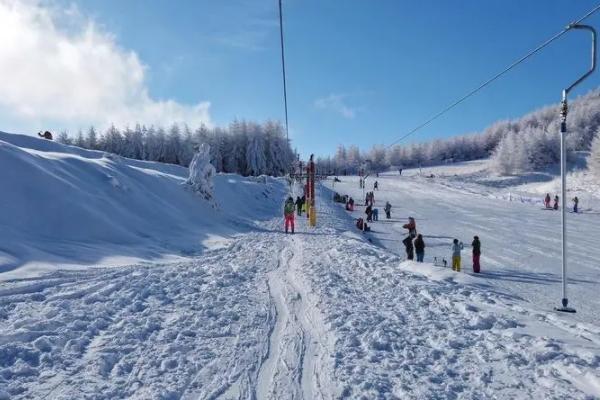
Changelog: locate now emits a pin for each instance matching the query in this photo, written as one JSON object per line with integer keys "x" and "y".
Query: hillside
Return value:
{"x": 63, "y": 205}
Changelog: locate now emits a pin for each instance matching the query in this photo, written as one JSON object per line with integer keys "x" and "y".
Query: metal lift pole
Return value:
{"x": 563, "y": 165}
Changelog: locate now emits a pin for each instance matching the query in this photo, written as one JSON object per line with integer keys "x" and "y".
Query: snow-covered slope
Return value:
{"x": 326, "y": 313}
{"x": 62, "y": 205}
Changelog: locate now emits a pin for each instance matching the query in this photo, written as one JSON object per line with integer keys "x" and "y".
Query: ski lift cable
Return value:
{"x": 495, "y": 77}
{"x": 283, "y": 71}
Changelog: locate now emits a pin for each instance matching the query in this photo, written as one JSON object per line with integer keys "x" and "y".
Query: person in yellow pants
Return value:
{"x": 456, "y": 249}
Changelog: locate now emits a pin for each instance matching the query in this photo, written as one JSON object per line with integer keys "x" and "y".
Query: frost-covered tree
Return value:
{"x": 201, "y": 172}
{"x": 594, "y": 157}
{"x": 91, "y": 140}
{"x": 63, "y": 137}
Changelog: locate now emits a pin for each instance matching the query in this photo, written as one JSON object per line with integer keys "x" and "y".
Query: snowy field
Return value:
{"x": 243, "y": 311}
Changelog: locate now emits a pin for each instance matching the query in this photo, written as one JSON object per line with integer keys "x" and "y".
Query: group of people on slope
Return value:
{"x": 414, "y": 244}
{"x": 554, "y": 206}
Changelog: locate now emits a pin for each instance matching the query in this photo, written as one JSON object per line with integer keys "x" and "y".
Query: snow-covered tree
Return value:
{"x": 201, "y": 172}
{"x": 91, "y": 140}
{"x": 63, "y": 137}
{"x": 594, "y": 157}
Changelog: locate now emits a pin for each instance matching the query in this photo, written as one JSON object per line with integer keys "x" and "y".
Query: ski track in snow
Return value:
{"x": 321, "y": 314}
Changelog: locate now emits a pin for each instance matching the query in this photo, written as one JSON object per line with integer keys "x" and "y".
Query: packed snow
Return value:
{"x": 226, "y": 306}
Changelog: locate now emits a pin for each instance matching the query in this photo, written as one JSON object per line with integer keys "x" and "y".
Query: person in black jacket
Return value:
{"x": 299, "y": 205}
{"x": 476, "y": 253}
{"x": 408, "y": 244}
{"x": 420, "y": 248}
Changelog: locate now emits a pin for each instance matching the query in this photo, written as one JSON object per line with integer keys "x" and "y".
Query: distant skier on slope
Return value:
{"x": 555, "y": 202}
{"x": 575, "y": 204}
{"x": 288, "y": 213}
{"x": 456, "y": 249}
{"x": 376, "y": 186}
{"x": 547, "y": 200}
{"x": 420, "y": 248}
{"x": 298, "y": 205}
{"x": 412, "y": 227}
{"x": 388, "y": 210}
{"x": 476, "y": 254}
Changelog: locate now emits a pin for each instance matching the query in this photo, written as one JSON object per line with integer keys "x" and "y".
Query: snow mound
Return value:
{"x": 65, "y": 206}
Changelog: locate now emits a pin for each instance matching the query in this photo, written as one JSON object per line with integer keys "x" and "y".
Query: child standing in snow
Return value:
{"x": 556, "y": 202}
{"x": 547, "y": 200}
{"x": 575, "y": 204}
{"x": 476, "y": 254}
{"x": 420, "y": 248}
{"x": 288, "y": 213}
{"x": 456, "y": 249}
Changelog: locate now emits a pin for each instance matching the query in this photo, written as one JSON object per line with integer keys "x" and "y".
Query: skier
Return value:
{"x": 45, "y": 135}
{"x": 575, "y": 204}
{"x": 375, "y": 214}
{"x": 420, "y": 248}
{"x": 299, "y": 205}
{"x": 375, "y": 186}
{"x": 456, "y": 248}
{"x": 408, "y": 244}
{"x": 388, "y": 210}
{"x": 412, "y": 227}
{"x": 556, "y": 202}
{"x": 288, "y": 213}
{"x": 369, "y": 212}
{"x": 547, "y": 200}
{"x": 399, "y": 171}
{"x": 476, "y": 254}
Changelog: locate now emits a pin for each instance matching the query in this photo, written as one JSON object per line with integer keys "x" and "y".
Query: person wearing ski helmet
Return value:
{"x": 288, "y": 213}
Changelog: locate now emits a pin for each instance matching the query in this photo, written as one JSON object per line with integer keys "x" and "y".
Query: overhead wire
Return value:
{"x": 494, "y": 78}
{"x": 283, "y": 71}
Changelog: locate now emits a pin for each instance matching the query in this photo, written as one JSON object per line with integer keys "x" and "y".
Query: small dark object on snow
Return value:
{"x": 45, "y": 135}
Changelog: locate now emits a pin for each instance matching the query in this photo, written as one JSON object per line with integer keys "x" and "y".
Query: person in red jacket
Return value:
{"x": 412, "y": 227}
{"x": 288, "y": 213}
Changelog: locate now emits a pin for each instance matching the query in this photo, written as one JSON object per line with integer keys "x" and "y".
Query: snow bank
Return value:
{"x": 66, "y": 206}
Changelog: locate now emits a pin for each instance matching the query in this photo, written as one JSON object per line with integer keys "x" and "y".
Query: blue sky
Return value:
{"x": 359, "y": 72}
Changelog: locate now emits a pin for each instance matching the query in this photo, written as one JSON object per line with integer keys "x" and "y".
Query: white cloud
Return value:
{"x": 336, "y": 103}
{"x": 58, "y": 68}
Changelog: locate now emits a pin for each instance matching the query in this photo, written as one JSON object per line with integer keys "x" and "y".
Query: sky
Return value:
{"x": 358, "y": 72}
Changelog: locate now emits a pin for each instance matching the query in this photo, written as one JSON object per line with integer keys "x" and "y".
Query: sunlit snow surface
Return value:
{"x": 237, "y": 309}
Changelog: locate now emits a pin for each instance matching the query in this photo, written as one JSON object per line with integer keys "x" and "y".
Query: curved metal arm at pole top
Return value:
{"x": 593, "y": 67}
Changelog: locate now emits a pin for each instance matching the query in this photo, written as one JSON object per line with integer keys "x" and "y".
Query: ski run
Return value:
{"x": 325, "y": 313}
